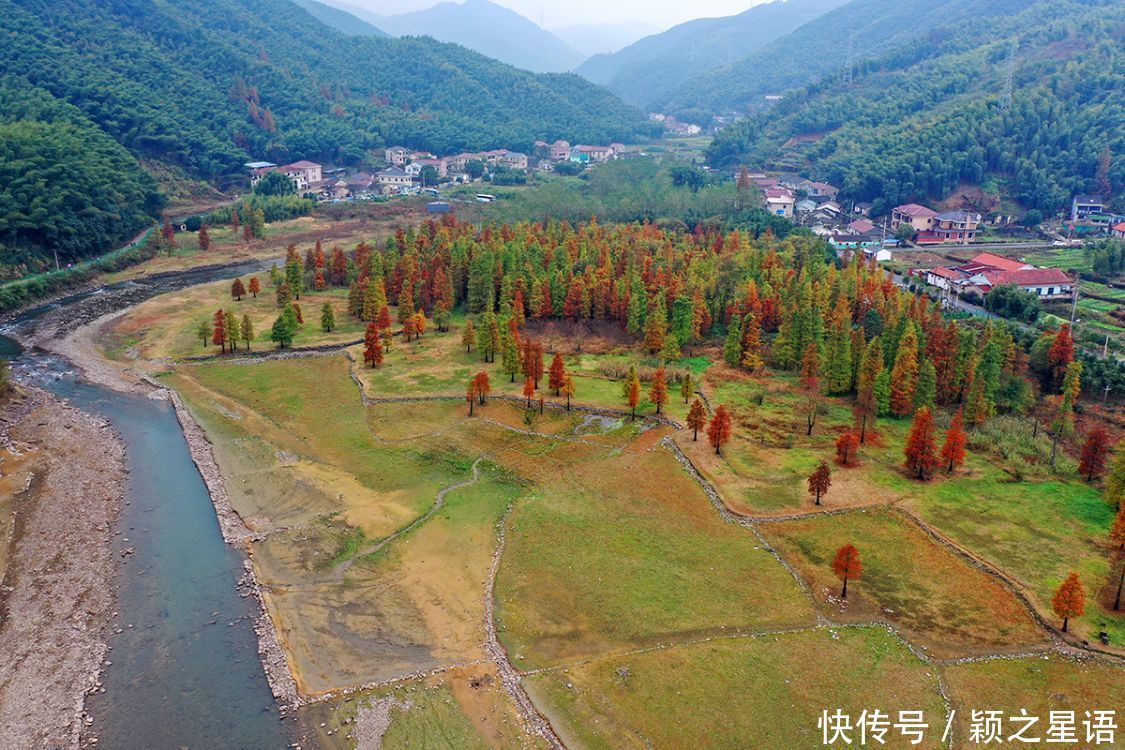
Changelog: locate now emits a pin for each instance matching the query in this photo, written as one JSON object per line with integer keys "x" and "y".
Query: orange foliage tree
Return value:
{"x": 528, "y": 389}
{"x": 373, "y": 346}
{"x": 482, "y": 386}
{"x": 556, "y": 373}
{"x": 847, "y": 448}
{"x": 237, "y": 289}
{"x": 696, "y": 418}
{"x": 633, "y": 394}
{"x": 1069, "y": 600}
{"x": 846, "y": 565}
{"x": 719, "y": 431}
{"x": 255, "y": 286}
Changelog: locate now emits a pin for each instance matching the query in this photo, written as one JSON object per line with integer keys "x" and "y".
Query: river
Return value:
{"x": 184, "y": 671}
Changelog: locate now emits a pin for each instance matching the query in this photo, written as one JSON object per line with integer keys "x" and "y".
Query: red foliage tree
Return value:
{"x": 409, "y": 328}
{"x": 696, "y": 418}
{"x": 1060, "y": 355}
{"x": 528, "y": 389}
{"x": 658, "y": 392}
{"x": 921, "y": 455}
{"x": 719, "y": 431}
{"x": 384, "y": 319}
{"x": 237, "y": 289}
{"x": 846, "y": 565}
{"x": 373, "y": 349}
{"x": 255, "y": 286}
{"x": 1069, "y": 600}
{"x": 483, "y": 386}
{"x": 1091, "y": 461}
{"x": 556, "y": 374}
{"x": 319, "y": 283}
{"x": 953, "y": 449}
{"x": 819, "y": 481}
{"x": 847, "y": 448}
{"x": 219, "y": 330}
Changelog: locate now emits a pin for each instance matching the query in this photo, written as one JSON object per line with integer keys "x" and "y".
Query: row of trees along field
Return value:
{"x": 784, "y": 304}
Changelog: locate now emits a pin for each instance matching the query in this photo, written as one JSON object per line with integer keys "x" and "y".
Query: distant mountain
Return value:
{"x": 207, "y": 85}
{"x": 604, "y": 38}
{"x": 339, "y": 19}
{"x": 645, "y": 72}
{"x": 926, "y": 120}
{"x": 820, "y": 47}
{"x": 490, "y": 29}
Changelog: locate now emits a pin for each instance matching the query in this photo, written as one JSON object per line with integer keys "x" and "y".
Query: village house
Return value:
{"x": 304, "y": 174}
{"x": 779, "y": 202}
{"x": 393, "y": 180}
{"x": 397, "y": 156}
{"x": 514, "y": 160}
{"x": 439, "y": 165}
{"x": 1084, "y": 205}
{"x": 987, "y": 271}
{"x": 595, "y": 154}
{"x": 951, "y": 226}
{"x": 818, "y": 189}
{"x": 1118, "y": 230}
{"x": 863, "y": 208}
{"x": 918, "y": 217}
{"x": 258, "y": 169}
{"x": 861, "y": 226}
{"x": 560, "y": 150}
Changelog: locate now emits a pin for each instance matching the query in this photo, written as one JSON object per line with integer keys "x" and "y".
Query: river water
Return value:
{"x": 184, "y": 672}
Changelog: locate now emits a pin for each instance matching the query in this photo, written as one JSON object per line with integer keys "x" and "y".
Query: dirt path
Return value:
{"x": 511, "y": 679}
{"x": 56, "y": 595}
{"x": 439, "y": 502}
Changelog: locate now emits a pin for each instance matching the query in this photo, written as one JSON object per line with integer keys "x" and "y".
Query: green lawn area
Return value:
{"x": 763, "y": 692}
{"x": 617, "y": 549}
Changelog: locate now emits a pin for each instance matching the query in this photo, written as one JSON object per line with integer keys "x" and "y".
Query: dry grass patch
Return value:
{"x": 761, "y": 692}
{"x": 942, "y": 603}
{"x": 463, "y": 709}
{"x": 1038, "y": 684}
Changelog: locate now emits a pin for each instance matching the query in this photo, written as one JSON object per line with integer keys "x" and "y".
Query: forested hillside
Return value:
{"x": 206, "y": 85}
{"x": 819, "y": 48}
{"x": 64, "y": 184}
{"x": 646, "y": 71}
{"x": 917, "y": 123}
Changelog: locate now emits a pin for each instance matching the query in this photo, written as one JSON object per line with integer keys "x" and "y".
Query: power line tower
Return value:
{"x": 849, "y": 61}
{"x": 1006, "y": 96}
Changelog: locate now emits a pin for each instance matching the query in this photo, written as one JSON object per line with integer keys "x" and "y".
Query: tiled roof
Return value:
{"x": 913, "y": 209}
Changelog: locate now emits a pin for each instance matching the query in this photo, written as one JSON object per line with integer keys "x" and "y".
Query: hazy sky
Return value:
{"x": 555, "y": 13}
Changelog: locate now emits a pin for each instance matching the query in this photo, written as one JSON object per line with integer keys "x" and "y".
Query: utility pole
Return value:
{"x": 1006, "y": 96}
{"x": 1105, "y": 396}
{"x": 1074, "y": 307}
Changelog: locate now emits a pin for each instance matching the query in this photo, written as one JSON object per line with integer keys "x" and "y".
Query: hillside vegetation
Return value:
{"x": 923, "y": 120}
{"x": 646, "y": 71}
{"x": 206, "y": 85}
{"x": 819, "y": 48}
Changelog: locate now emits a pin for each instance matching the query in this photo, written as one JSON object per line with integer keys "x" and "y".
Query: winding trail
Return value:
{"x": 439, "y": 502}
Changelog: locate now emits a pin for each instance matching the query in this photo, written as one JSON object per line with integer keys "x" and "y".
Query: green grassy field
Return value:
{"x": 622, "y": 549}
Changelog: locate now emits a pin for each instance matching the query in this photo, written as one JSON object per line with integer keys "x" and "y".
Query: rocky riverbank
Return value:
{"x": 56, "y": 596}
